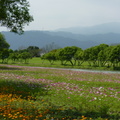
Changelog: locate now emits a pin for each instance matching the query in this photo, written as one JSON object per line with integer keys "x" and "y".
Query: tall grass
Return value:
{"x": 30, "y": 93}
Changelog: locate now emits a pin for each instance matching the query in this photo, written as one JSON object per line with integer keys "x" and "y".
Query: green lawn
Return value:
{"x": 57, "y": 64}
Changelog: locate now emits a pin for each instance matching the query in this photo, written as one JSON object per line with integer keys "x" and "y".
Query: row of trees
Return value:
{"x": 24, "y": 54}
{"x": 100, "y": 55}
{"x": 7, "y": 54}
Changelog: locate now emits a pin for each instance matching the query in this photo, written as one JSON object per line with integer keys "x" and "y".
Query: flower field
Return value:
{"x": 31, "y": 93}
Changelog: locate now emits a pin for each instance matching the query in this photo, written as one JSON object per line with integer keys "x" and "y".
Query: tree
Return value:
{"x": 3, "y": 43}
{"x": 79, "y": 56}
{"x": 91, "y": 54}
{"x": 25, "y": 56}
{"x": 102, "y": 57}
{"x": 50, "y": 56}
{"x": 107, "y": 54}
{"x": 4, "y": 54}
{"x": 14, "y": 56}
{"x": 66, "y": 54}
{"x": 115, "y": 55}
{"x": 14, "y": 14}
{"x": 86, "y": 55}
{"x": 34, "y": 51}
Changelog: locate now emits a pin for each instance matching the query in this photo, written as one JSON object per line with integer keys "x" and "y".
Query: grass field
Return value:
{"x": 37, "y": 61}
{"x": 30, "y": 93}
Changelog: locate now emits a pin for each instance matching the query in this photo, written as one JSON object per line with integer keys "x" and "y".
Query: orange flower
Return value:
{"x": 40, "y": 115}
{"x": 20, "y": 115}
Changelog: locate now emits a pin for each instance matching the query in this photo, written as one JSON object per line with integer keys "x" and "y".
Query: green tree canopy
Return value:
{"x": 14, "y": 14}
{"x": 78, "y": 56}
{"x": 66, "y": 54}
{"x": 34, "y": 51}
{"x": 115, "y": 54}
{"x": 25, "y": 56}
{"x": 3, "y": 43}
{"x": 4, "y": 54}
{"x": 51, "y": 56}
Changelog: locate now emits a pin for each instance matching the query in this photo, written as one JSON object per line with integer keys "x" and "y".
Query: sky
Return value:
{"x": 55, "y": 14}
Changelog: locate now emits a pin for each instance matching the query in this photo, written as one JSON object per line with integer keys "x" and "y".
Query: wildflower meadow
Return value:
{"x": 32, "y": 93}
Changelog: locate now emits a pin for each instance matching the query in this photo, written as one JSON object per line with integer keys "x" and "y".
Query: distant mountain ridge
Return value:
{"x": 40, "y": 39}
{"x": 62, "y": 39}
{"x": 105, "y": 28}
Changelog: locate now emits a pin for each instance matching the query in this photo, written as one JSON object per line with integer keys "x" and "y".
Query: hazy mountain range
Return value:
{"x": 113, "y": 27}
{"x": 81, "y": 37}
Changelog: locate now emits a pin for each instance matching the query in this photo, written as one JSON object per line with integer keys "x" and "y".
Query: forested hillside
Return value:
{"x": 62, "y": 39}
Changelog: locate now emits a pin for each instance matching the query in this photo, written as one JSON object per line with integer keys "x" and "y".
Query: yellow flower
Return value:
{"x": 82, "y": 116}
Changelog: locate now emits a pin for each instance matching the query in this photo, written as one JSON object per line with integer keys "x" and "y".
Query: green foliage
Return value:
{"x": 50, "y": 56}
{"x": 66, "y": 54}
{"x": 97, "y": 56}
{"x": 86, "y": 54}
{"x": 3, "y": 43}
{"x": 94, "y": 52}
{"x": 4, "y": 51}
{"x": 34, "y": 51}
{"x": 25, "y": 56}
{"x": 14, "y": 14}
{"x": 100, "y": 57}
{"x": 4, "y": 54}
{"x": 78, "y": 56}
{"x": 115, "y": 54}
{"x": 14, "y": 56}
